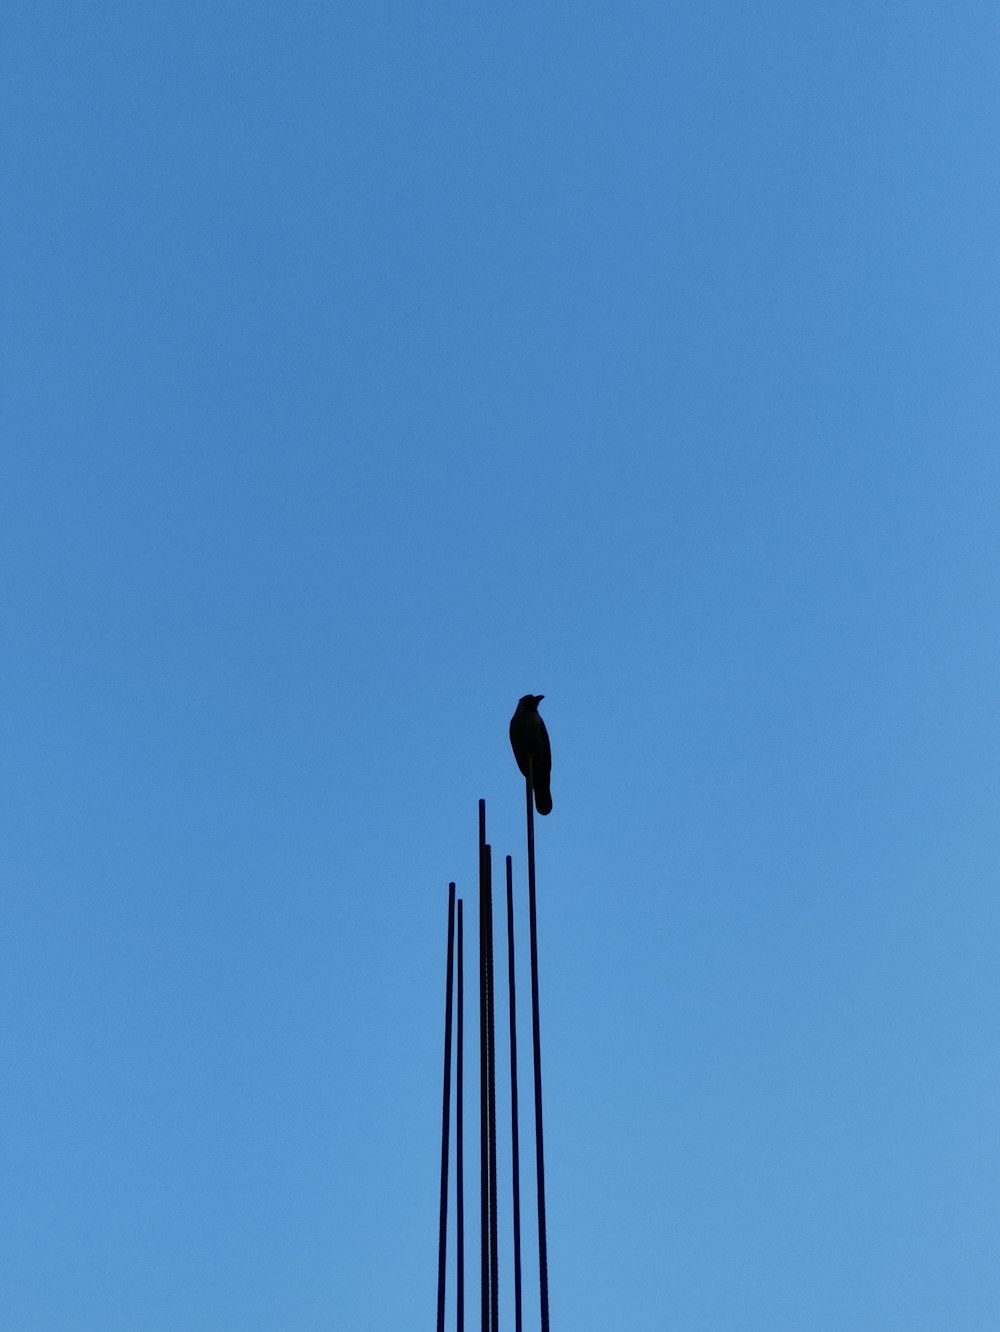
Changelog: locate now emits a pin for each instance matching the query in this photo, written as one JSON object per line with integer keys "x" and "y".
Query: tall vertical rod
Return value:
{"x": 484, "y": 1134}
{"x": 543, "y": 1258}
{"x": 514, "y": 1136}
{"x": 459, "y": 1130}
{"x": 491, "y": 1064}
{"x": 445, "y": 1111}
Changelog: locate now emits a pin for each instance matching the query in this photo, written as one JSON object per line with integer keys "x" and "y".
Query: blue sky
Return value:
{"x": 365, "y": 367}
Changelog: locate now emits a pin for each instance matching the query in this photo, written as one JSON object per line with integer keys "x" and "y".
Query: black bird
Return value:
{"x": 530, "y": 742}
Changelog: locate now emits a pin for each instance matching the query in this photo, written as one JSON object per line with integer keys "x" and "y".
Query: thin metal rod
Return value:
{"x": 543, "y": 1259}
{"x": 445, "y": 1111}
{"x": 459, "y": 1129}
{"x": 484, "y": 1130}
{"x": 491, "y": 1064}
{"x": 514, "y": 1137}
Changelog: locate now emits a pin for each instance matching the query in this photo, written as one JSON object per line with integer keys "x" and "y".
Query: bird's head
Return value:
{"x": 530, "y": 702}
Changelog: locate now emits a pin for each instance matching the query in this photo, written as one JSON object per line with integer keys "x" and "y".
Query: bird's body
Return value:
{"x": 530, "y": 742}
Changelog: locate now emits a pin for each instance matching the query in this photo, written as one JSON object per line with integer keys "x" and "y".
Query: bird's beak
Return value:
{"x": 539, "y": 697}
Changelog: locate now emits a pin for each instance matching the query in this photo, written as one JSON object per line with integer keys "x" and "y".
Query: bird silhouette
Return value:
{"x": 530, "y": 742}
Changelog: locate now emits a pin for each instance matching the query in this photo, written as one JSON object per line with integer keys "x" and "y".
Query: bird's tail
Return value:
{"x": 543, "y": 798}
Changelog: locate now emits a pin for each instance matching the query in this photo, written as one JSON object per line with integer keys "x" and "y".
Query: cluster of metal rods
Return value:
{"x": 454, "y": 1000}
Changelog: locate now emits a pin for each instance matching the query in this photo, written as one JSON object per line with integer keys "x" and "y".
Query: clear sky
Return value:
{"x": 365, "y": 366}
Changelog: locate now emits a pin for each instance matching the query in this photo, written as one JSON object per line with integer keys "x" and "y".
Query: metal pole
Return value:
{"x": 543, "y": 1261}
{"x": 514, "y": 1137}
{"x": 492, "y": 1095}
{"x": 446, "y": 1107}
{"x": 484, "y": 1130}
{"x": 459, "y": 1149}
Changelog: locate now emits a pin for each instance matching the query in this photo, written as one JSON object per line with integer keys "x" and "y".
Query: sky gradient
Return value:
{"x": 367, "y": 366}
